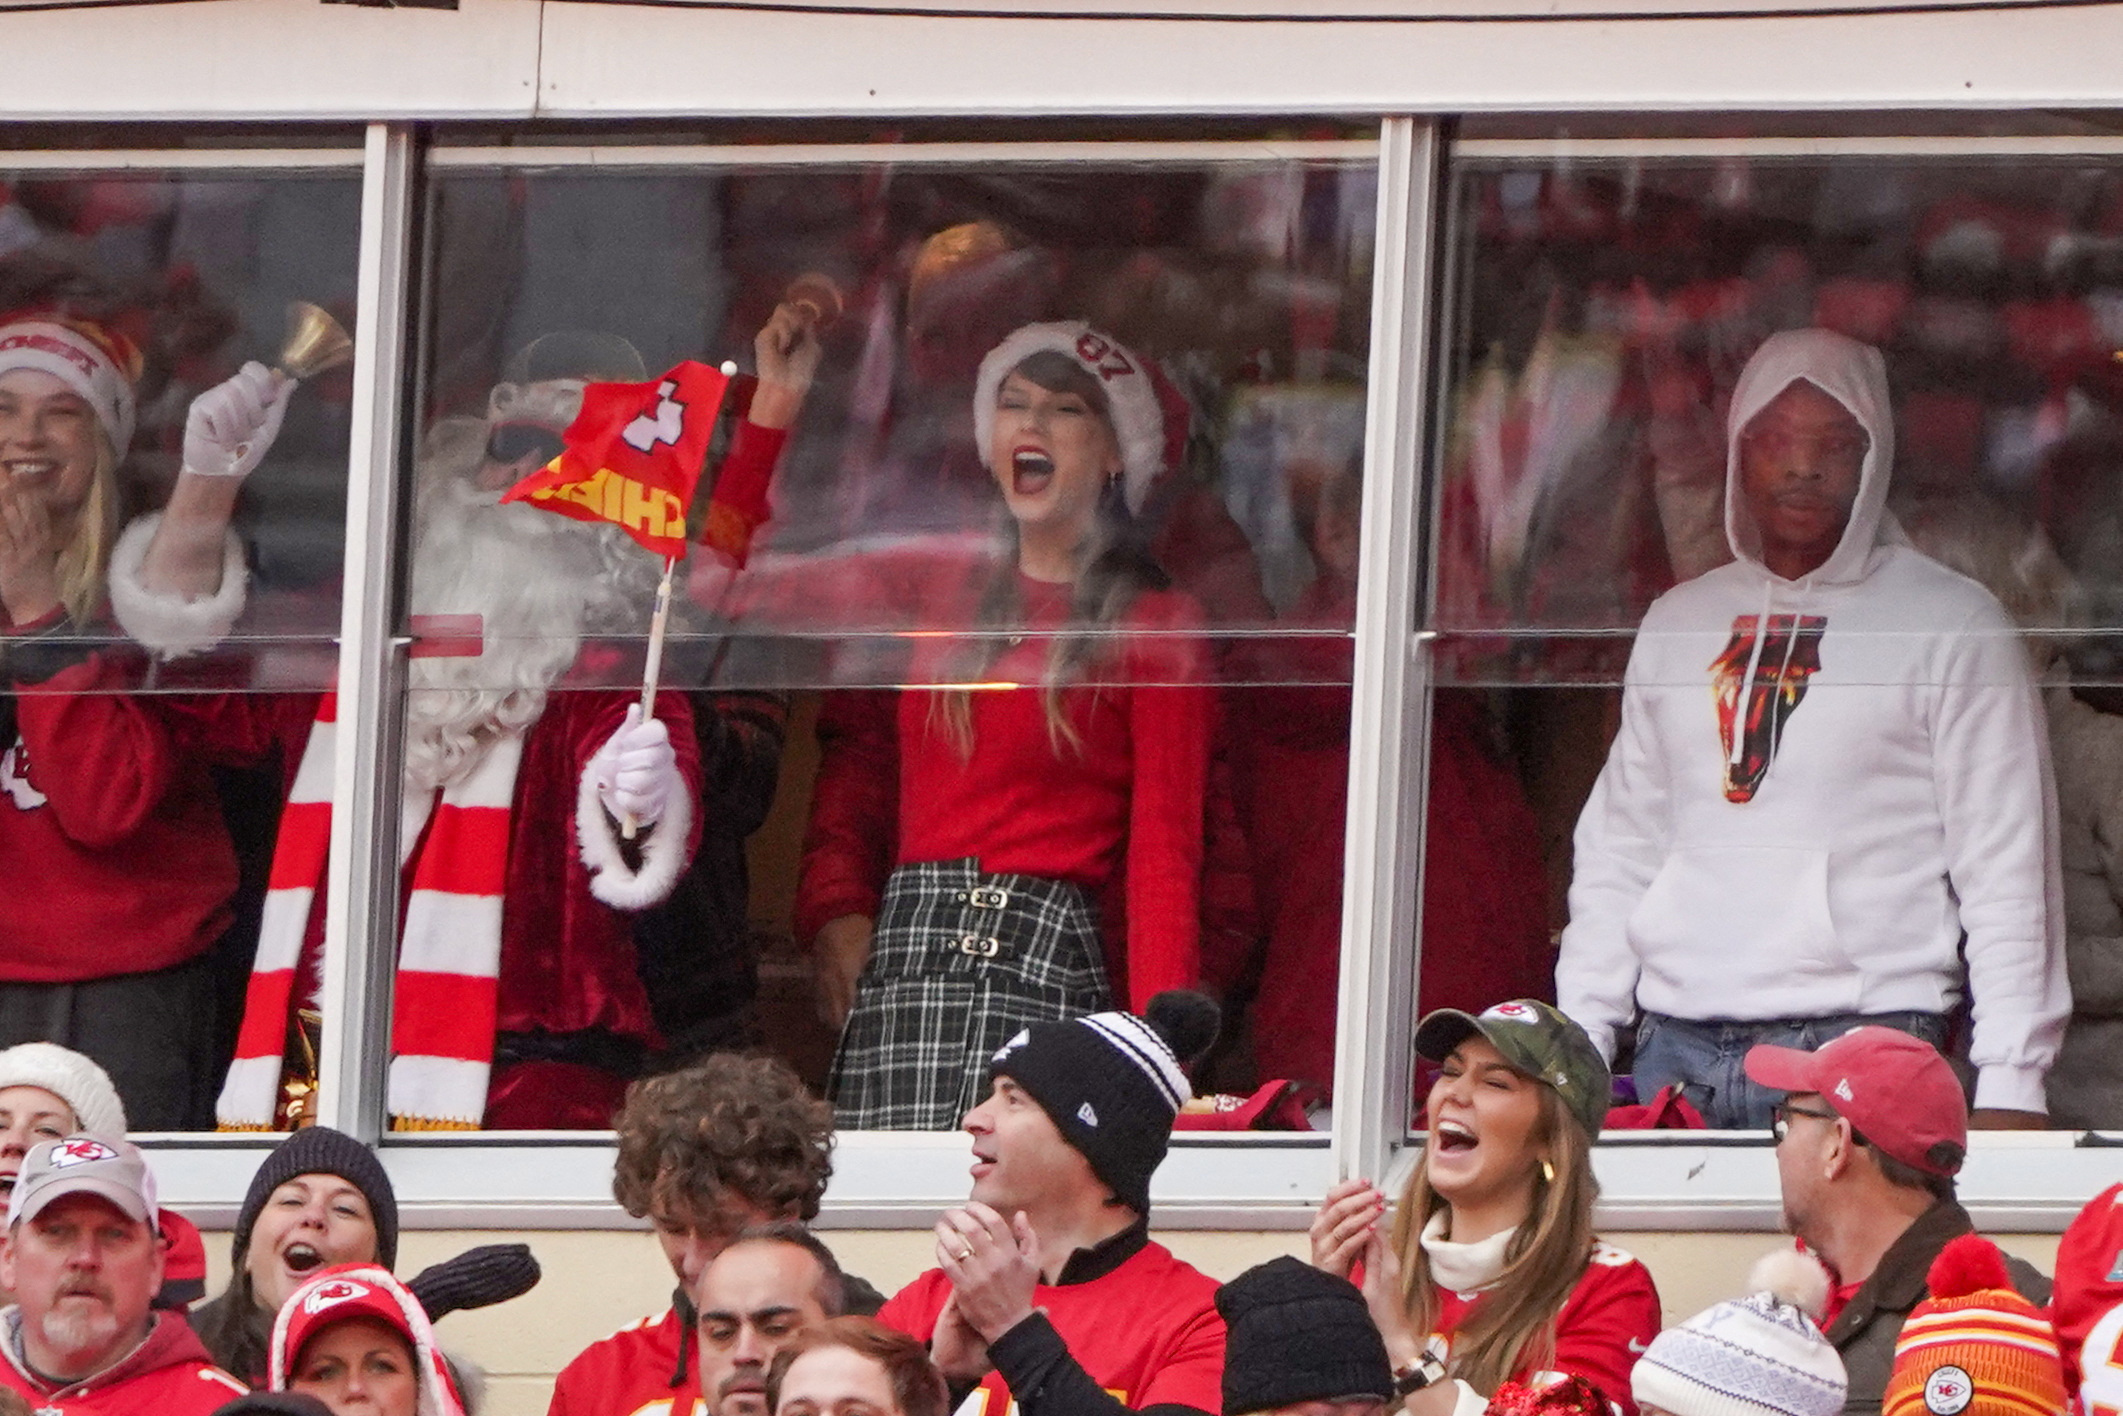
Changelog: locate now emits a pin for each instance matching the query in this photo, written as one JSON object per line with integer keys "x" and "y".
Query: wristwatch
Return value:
{"x": 1412, "y": 1377}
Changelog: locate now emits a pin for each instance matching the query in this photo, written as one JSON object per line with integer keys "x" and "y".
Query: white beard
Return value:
{"x": 79, "y": 1327}
{"x": 538, "y": 581}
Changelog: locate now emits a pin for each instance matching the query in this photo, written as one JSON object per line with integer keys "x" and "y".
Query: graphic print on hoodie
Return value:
{"x": 1775, "y": 667}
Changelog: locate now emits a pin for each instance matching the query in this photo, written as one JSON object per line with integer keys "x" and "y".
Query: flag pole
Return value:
{"x": 652, "y": 669}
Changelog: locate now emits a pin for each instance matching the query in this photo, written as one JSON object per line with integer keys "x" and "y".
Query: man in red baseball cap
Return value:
{"x": 1870, "y": 1133}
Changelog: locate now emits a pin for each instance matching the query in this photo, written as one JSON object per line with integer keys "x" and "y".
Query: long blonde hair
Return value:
{"x": 84, "y": 561}
{"x": 1512, "y": 1327}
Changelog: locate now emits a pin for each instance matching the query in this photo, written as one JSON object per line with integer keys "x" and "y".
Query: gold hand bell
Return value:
{"x": 315, "y": 342}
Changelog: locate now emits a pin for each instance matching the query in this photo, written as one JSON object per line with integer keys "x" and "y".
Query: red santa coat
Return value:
{"x": 569, "y": 885}
{"x": 167, "y": 1375}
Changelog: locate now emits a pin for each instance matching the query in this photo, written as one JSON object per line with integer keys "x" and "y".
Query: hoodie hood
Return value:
{"x": 1855, "y": 376}
{"x": 363, "y": 1291}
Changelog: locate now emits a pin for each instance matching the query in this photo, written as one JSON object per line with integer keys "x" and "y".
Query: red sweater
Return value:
{"x": 111, "y": 832}
{"x": 1609, "y": 1320}
{"x": 1121, "y": 816}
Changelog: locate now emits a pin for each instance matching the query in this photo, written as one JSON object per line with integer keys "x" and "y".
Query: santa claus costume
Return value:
{"x": 517, "y": 1002}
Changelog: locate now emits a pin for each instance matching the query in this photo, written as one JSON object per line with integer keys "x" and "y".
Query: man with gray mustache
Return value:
{"x": 83, "y": 1258}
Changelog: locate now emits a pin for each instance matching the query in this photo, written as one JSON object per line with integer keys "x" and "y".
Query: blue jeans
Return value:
{"x": 1706, "y": 1059}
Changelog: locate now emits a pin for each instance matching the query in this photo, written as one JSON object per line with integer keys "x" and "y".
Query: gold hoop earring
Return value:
{"x": 1548, "y": 1171}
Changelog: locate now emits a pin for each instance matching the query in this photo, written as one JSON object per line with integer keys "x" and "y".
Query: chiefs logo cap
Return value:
{"x": 332, "y": 1294}
{"x": 1534, "y": 1039}
{"x": 114, "y": 1171}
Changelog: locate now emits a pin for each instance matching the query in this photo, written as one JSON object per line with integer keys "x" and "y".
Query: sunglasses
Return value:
{"x": 513, "y": 442}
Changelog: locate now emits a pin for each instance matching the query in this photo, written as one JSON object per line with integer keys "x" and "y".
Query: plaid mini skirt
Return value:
{"x": 959, "y": 963}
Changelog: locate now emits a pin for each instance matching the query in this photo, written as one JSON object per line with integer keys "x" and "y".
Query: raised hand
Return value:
{"x": 787, "y": 354}
{"x": 993, "y": 1265}
{"x": 1346, "y": 1220}
{"x": 232, "y": 424}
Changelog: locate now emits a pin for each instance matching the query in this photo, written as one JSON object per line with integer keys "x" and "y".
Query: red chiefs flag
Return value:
{"x": 633, "y": 456}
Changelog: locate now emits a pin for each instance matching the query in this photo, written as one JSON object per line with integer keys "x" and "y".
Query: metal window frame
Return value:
{"x": 561, "y": 1179}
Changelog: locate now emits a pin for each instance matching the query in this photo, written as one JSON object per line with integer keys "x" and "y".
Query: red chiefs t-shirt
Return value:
{"x": 1609, "y": 1320}
{"x": 1148, "y": 1331}
{"x": 629, "y": 1374}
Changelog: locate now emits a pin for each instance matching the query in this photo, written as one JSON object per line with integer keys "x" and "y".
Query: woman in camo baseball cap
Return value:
{"x": 1490, "y": 1272}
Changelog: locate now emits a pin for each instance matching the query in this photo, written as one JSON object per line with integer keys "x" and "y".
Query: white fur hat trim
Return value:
{"x": 1138, "y": 419}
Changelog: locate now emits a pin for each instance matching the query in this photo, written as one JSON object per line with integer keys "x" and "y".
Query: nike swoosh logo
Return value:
{"x": 1637, "y": 1347}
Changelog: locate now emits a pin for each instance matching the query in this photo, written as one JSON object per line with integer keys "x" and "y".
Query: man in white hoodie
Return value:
{"x": 1830, "y": 782}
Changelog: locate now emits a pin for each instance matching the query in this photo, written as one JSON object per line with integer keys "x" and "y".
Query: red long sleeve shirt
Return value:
{"x": 1123, "y": 808}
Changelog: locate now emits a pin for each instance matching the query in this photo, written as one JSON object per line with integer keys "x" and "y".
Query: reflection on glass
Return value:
{"x": 1811, "y": 448}
{"x": 1043, "y": 465}
{"x": 138, "y": 775}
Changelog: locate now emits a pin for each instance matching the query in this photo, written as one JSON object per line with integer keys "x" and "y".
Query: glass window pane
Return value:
{"x": 1041, "y": 654}
{"x": 169, "y": 581}
{"x": 1777, "y": 497}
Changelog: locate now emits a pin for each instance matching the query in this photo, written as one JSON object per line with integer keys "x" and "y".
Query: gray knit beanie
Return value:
{"x": 1761, "y": 1355}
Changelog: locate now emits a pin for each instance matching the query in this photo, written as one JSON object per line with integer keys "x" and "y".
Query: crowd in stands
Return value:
{"x": 1480, "y": 1287}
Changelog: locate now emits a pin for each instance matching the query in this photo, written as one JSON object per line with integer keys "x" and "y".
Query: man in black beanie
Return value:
{"x": 1049, "y": 1290}
{"x": 1301, "y": 1343}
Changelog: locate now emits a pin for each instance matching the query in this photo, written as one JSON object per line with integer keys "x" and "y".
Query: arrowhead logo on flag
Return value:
{"x": 633, "y": 456}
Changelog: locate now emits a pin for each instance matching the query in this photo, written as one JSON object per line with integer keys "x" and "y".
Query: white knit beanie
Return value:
{"x": 1131, "y": 394}
{"x": 1761, "y": 1355}
{"x": 88, "y": 365}
{"x": 74, "y": 1079}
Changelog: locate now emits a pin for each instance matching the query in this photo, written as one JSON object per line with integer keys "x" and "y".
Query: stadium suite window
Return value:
{"x": 1167, "y": 536}
{"x": 170, "y": 583}
{"x": 1604, "y": 304}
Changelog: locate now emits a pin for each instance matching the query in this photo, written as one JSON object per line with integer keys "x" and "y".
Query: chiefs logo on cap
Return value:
{"x": 1949, "y": 1392}
{"x": 1514, "y": 1012}
{"x": 331, "y": 1295}
{"x": 81, "y": 1151}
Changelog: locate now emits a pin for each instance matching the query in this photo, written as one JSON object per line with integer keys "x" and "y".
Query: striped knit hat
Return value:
{"x": 1974, "y": 1345}
{"x": 1111, "y": 1085}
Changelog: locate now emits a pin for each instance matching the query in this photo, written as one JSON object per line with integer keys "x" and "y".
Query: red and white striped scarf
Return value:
{"x": 445, "y": 996}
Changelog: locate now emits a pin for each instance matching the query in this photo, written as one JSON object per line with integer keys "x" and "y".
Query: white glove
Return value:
{"x": 636, "y": 771}
{"x": 233, "y": 423}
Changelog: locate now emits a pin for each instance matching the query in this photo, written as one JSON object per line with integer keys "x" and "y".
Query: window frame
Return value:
{"x": 532, "y": 1180}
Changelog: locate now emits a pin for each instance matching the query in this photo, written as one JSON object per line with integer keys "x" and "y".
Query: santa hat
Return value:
{"x": 96, "y": 363}
{"x": 74, "y": 1079}
{"x": 1131, "y": 394}
{"x": 1761, "y": 1355}
{"x": 1974, "y": 1345}
{"x": 349, "y": 1291}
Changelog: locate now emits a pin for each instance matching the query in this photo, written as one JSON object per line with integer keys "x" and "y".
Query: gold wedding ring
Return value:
{"x": 965, "y": 1251}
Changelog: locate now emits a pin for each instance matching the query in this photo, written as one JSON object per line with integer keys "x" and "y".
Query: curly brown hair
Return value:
{"x": 726, "y": 1126}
